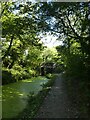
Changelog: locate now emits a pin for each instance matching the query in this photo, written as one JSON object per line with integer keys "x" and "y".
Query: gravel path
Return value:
{"x": 57, "y": 103}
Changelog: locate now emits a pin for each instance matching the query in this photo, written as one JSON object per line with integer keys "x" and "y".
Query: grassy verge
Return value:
{"x": 79, "y": 93}
{"x": 35, "y": 101}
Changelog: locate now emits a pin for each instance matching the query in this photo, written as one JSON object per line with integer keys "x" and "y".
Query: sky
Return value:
{"x": 50, "y": 41}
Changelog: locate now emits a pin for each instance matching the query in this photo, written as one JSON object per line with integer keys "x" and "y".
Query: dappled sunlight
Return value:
{"x": 48, "y": 87}
{"x": 10, "y": 93}
{"x": 27, "y": 81}
{"x": 21, "y": 94}
{"x": 15, "y": 95}
{"x": 42, "y": 39}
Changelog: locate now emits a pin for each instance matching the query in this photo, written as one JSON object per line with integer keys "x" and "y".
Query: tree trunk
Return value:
{"x": 7, "y": 52}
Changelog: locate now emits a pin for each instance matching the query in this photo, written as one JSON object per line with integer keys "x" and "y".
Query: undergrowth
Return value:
{"x": 79, "y": 92}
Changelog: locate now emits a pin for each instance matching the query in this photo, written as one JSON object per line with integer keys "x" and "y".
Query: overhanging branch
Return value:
{"x": 72, "y": 28}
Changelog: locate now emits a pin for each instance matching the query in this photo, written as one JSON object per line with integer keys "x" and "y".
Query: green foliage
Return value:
{"x": 75, "y": 66}
{"x": 49, "y": 75}
{"x": 21, "y": 47}
{"x": 7, "y": 77}
{"x": 51, "y": 81}
{"x": 77, "y": 77}
{"x": 49, "y": 54}
{"x": 22, "y": 52}
{"x": 16, "y": 73}
{"x": 71, "y": 21}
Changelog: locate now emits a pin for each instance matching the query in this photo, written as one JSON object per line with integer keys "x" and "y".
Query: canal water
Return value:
{"x": 15, "y": 95}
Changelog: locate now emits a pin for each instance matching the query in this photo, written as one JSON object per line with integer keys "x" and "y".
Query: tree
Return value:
{"x": 20, "y": 30}
{"x": 71, "y": 21}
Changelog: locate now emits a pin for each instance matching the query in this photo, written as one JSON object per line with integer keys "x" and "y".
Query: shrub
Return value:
{"x": 49, "y": 75}
{"x": 7, "y": 77}
{"x": 75, "y": 66}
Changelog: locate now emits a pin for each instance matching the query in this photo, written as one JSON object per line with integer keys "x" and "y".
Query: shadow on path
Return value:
{"x": 57, "y": 103}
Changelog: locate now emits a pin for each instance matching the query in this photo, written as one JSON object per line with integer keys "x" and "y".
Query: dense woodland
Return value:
{"x": 23, "y": 54}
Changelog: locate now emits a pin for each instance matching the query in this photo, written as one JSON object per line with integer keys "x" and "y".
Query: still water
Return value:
{"x": 15, "y": 95}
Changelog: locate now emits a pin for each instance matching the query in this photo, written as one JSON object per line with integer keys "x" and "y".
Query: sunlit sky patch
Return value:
{"x": 33, "y": 1}
{"x": 51, "y": 41}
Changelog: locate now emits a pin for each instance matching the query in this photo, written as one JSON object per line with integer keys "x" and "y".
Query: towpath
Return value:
{"x": 57, "y": 103}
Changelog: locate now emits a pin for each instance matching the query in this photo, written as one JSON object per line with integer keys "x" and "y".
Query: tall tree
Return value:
{"x": 71, "y": 21}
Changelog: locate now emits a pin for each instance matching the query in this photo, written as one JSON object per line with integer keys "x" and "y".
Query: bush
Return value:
{"x": 49, "y": 76}
{"x": 75, "y": 66}
{"x": 13, "y": 75}
{"x": 16, "y": 73}
{"x": 7, "y": 77}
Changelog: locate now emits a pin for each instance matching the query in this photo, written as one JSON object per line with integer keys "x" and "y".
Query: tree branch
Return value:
{"x": 72, "y": 28}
